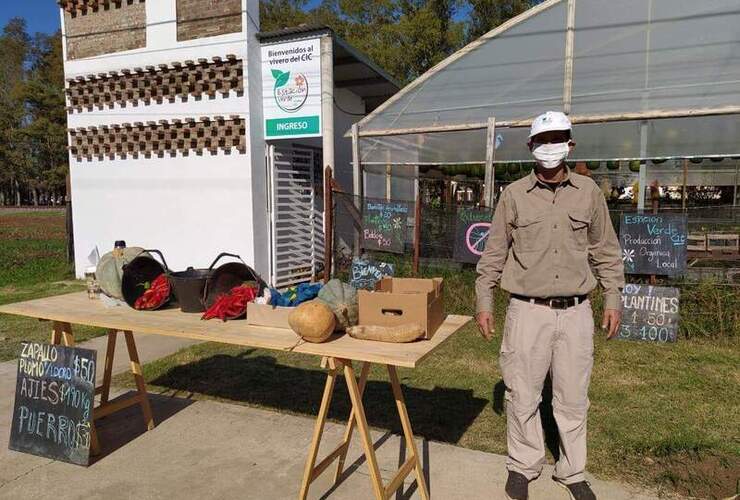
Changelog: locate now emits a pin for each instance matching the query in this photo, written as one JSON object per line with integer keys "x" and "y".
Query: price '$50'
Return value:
{"x": 84, "y": 369}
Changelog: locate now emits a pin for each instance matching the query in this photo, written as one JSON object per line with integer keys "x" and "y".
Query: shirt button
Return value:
{"x": 555, "y": 226}
{"x": 556, "y": 250}
{"x": 557, "y": 276}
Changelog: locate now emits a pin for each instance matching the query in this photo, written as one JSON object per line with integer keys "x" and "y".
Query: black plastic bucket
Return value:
{"x": 227, "y": 276}
{"x": 188, "y": 286}
{"x": 143, "y": 268}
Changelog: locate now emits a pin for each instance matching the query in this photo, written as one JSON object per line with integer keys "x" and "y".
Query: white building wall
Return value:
{"x": 190, "y": 207}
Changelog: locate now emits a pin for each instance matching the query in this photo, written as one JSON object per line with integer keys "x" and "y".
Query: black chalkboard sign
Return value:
{"x": 653, "y": 243}
{"x": 54, "y": 398}
{"x": 471, "y": 233}
{"x": 650, "y": 313}
{"x": 384, "y": 226}
{"x": 366, "y": 273}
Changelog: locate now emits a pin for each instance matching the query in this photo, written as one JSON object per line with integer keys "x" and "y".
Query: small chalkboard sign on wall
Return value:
{"x": 54, "y": 398}
{"x": 650, "y": 313}
{"x": 471, "y": 234}
{"x": 653, "y": 243}
{"x": 366, "y": 273}
{"x": 384, "y": 226}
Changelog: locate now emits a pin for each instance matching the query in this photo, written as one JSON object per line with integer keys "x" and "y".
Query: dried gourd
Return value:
{"x": 313, "y": 321}
{"x": 408, "y": 332}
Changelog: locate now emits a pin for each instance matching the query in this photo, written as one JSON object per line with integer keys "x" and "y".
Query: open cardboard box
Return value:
{"x": 267, "y": 315}
{"x": 398, "y": 301}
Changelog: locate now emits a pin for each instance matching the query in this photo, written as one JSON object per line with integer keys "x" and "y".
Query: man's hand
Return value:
{"x": 485, "y": 324}
{"x": 610, "y": 322}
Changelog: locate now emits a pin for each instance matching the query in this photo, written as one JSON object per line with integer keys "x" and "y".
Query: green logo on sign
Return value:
{"x": 290, "y": 94}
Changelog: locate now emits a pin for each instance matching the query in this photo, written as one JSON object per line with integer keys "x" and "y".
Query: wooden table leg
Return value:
{"x": 350, "y": 424}
{"x": 367, "y": 442}
{"x": 408, "y": 433}
{"x": 139, "y": 378}
{"x": 357, "y": 417}
{"x": 61, "y": 334}
{"x": 108, "y": 370}
{"x": 308, "y": 474}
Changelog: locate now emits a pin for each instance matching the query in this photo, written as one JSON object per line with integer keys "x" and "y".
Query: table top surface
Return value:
{"x": 76, "y": 308}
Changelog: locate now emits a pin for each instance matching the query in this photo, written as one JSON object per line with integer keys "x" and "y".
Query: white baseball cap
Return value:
{"x": 551, "y": 120}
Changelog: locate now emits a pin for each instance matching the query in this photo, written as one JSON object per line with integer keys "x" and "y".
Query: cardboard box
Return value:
{"x": 397, "y": 301}
{"x": 267, "y": 315}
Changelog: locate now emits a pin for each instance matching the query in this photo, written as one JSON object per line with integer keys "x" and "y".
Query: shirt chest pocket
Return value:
{"x": 580, "y": 223}
{"x": 531, "y": 233}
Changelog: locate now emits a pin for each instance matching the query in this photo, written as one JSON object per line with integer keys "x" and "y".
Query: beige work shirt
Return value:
{"x": 546, "y": 243}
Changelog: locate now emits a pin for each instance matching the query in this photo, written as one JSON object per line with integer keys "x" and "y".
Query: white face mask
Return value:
{"x": 550, "y": 155}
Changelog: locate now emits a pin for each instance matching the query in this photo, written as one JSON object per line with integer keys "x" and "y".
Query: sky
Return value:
{"x": 43, "y": 15}
{"x": 40, "y": 15}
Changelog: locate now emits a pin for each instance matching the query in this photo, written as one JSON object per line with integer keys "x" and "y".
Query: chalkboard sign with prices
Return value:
{"x": 384, "y": 226}
{"x": 650, "y": 313}
{"x": 54, "y": 398}
{"x": 653, "y": 243}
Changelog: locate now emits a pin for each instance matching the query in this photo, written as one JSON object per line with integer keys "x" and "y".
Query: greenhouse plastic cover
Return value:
{"x": 629, "y": 56}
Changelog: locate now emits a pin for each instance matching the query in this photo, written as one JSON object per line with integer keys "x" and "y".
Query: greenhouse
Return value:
{"x": 652, "y": 87}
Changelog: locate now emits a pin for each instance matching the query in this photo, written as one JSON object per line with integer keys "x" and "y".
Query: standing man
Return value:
{"x": 550, "y": 235}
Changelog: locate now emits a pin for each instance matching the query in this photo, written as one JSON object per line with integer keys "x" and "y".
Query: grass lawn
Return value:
{"x": 32, "y": 265}
{"x": 665, "y": 416}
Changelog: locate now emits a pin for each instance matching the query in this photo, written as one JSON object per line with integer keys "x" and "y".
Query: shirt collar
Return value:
{"x": 535, "y": 181}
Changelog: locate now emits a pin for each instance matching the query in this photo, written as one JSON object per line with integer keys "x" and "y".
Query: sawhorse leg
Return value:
{"x": 357, "y": 416}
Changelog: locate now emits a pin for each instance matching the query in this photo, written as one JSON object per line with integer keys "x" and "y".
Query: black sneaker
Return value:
{"x": 579, "y": 491}
{"x": 517, "y": 486}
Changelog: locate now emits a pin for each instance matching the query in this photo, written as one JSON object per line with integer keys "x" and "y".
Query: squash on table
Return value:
{"x": 313, "y": 321}
{"x": 342, "y": 299}
{"x": 407, "y": 332}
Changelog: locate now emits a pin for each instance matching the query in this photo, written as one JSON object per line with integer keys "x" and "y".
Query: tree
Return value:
{"x": 485, "y": 15}
{"x": 46, "y": 131}
{"x": 14, "y": 49}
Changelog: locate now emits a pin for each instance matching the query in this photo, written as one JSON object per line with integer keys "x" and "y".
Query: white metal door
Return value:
{"x": 296, "y": 212}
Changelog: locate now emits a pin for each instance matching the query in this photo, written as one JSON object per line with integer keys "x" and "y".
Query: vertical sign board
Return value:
{"x": 54, "y": 397}
{"x": 291, "y": 89}
{"x": 650, "y": 313}
{"x": 384, "y": 226}
{"x": 366, "y": 273}
{"x": 471, "y": 234}
{"x": 653, "y": 243}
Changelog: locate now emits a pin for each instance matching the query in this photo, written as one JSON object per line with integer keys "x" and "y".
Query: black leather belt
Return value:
{"x": 553, "y": 302}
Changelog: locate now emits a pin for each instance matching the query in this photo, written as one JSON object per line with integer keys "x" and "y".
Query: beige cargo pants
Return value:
{"x": 538, "y": 339}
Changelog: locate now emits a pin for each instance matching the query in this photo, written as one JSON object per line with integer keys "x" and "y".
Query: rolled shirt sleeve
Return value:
{"x": 491, "y": 263}
{"x": 605, "y": 254}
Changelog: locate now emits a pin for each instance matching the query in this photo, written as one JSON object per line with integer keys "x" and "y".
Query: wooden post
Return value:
{"x": 489, "y": 177}
{"x": 359, "y": 188}
{"x": 417, "y": 234}
{"x": 684, "y": 193}
{"x": 655, "y": 201}
{"x": 569, "y": 44}
{"x": 328, "y": 222}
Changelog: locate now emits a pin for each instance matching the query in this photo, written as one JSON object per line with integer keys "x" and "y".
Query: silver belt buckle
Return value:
{"x": 558, "y": 303}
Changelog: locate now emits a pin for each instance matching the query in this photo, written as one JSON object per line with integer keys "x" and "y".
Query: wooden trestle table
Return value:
{"x": 337, "y": 355}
